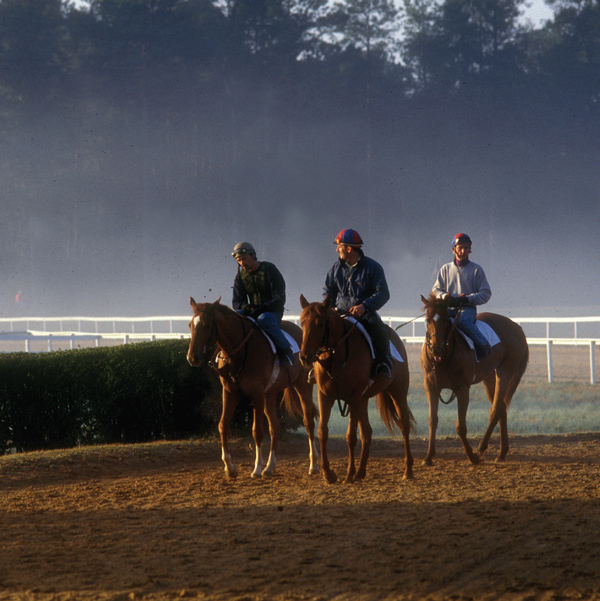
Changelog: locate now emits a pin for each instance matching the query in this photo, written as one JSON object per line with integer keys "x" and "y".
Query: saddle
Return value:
{"x": 394, "y": 354}
{"x": 485, "y": 329}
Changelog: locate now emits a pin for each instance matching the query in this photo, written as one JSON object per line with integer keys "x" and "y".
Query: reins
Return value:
{"x": 434, "y": 363}
{"x": 342, "y": 405}
{"x": 228, "y": 356}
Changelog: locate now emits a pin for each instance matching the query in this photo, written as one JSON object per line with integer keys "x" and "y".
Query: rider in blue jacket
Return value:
{"x": 357, "y": 286}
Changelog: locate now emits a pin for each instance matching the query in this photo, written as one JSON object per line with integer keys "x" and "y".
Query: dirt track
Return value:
{"x": 161, "y": 521}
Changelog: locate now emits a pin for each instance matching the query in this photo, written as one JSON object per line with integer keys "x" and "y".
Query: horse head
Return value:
{"x": 438, "y": 325}
{"x": 314, "y": 321}
{"x": 203, "y": 328}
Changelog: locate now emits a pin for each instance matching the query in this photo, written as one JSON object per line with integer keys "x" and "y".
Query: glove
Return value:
{"x": 461, "y": 301}
{"x": 249, "y": 310}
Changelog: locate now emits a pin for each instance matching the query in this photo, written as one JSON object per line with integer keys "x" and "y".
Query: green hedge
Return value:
{"x": 129, "y": 393}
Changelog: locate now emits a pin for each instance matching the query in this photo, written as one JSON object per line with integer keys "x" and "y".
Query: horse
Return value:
{"x": 341, "y": 357}
{"x": 449, "y": 362}
{"x": 247, "y": 368}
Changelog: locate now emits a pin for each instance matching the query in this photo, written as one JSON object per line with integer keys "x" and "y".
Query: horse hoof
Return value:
{"x": 475, "y": 459}
{"x": 330, "y": 477}
{"x": 256, "y": 475}
{"x": 408, "y": 476}
{"x": 268, "y": 474}
{"x": 500, "y": 459}
{"x": 231, "y": 475}
{"x": 313, "y": 471}
{"x": 427, "y": 462}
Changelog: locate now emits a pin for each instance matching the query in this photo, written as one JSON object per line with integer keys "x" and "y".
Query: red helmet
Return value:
{"x": 461, "y": 239}
{"x": 349, "y": 238}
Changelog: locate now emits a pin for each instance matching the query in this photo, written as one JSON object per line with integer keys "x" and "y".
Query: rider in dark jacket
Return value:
{"x": 357, "y": 286}
{"x": 259, "y": 292}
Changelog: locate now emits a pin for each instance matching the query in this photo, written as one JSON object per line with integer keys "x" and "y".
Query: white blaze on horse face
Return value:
{"x": 196, "y": 320}
{"x": 436, "y": 317}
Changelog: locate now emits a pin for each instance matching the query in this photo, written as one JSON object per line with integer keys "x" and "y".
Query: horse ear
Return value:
{"x": 423, "y": 300}
{"x": 192, "y": 302}
{"x": 303, "y": 302}
{"x": 217, "y": 301}
{"x": 327, "y": 302}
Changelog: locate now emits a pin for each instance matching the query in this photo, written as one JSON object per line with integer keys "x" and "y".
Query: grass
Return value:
{"x": 536, "y": 408}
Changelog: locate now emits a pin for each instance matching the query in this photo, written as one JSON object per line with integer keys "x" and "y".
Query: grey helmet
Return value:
{"x": 242, "y": 248}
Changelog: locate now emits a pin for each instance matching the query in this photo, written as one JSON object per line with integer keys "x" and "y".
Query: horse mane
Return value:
{"x": 434, "y": 305}
{"x": 215, "y": 307}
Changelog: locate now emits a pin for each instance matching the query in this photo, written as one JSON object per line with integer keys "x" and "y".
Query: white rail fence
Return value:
{"x": 545, "y": 331}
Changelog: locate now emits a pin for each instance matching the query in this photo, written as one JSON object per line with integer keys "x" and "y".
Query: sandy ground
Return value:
{"x": 161, "y": 521}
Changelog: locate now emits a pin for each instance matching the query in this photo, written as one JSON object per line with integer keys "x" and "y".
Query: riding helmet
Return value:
{"x": 242, "y": 248}
{"x": 461, "y": 239}
{"x": 349, "y": 238}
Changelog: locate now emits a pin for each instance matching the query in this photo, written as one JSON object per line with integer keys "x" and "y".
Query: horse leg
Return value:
{"x": 498, "y": 413}
{"x": 433, "y": 397}
{"x": 325, "y": 406}
{"x": 351, "y": 439}
{"x": 489, "y": 384}
{"x": 230, "y": 402}
{"x": 274, "y": 431}
{"x": 366, "y": 434}
{"x": 400, "y": 401}
{"x": 257, "y": 432}
{"x": 462, "y": 399}
{"x": 308, "y": 412}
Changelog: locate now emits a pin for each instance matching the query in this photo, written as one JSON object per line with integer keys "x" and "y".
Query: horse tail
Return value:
{"x": 291, "y": 401}
{"x": 389, "y": 413}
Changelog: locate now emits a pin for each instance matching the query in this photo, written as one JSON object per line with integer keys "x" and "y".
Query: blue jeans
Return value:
{"x": 269, "y": 323}
{"x": 466, "y": 323}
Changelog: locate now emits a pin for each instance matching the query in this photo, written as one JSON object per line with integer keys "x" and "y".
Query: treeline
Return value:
{"x": 120, "y": 117}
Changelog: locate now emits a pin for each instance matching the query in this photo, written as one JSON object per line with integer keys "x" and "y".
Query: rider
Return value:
{"x": 466, "y": 285}
{"x": 259, "y": 292}
{"x": 357, "y": 286}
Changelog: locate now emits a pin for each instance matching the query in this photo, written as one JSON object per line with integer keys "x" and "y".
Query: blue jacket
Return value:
{"x": 364, "y": 284}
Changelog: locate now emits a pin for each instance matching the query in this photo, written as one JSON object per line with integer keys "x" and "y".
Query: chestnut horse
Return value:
{"x": 342, "y": 366}
{"x": 449, "y": 362}
{"x": 247, "y": 367}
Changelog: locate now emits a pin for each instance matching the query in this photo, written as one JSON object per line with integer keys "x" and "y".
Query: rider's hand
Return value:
{"x": 249, "y": 309}
{"x": 358, "y": 310}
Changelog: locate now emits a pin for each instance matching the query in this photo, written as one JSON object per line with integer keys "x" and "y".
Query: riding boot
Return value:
{"x": 285, "y": 356}
{"x": 482, "y": 352}
{"x": 382, "y": 365}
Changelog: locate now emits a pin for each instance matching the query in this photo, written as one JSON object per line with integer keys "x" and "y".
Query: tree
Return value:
{"x": 462, "y": 45}
{"x": 571, "y": 60}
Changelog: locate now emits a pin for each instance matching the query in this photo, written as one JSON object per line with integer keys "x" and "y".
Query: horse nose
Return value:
{"x": 191, "y": 357}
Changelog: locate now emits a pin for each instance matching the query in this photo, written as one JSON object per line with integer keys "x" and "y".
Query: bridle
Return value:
{"x": 436, "y": 359}
{"x": 325, "y": 349}
{"x": 330, "y": 350}
{"x": 220, "y": 352}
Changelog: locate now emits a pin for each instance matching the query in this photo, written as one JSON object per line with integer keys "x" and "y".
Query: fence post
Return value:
{"x": 592, "y": 362}
{"x": 549, "y": 353}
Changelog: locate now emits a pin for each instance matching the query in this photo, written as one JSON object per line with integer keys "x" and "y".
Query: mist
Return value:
{"x": 128, "y": 199}
{"x": 147, "y": 233}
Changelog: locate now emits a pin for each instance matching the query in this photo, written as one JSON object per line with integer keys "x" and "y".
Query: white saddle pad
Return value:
{"x": 486, "y": 330}
{"x": 393, "y": 350}
{"x": 293, "y": 343}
